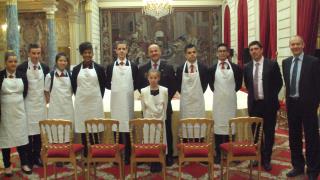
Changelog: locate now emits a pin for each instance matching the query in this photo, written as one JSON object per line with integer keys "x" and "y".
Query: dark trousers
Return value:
{"x": 22, "y": 150}
{"x": 169, "y": 134}
{"x": 93, "y": 138}
{"x": 124, "y": 138}
{"x": 34, "y": 148}
{"x": 269, "y": 115}
{"x": 220, "y": 139}
{"x": 302, "y": 117}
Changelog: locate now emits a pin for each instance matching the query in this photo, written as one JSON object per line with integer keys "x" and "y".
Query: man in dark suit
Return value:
{"x": 35, "y": 71}
{"x": 225, "y": 79}
{"x": 168, "y": 80}
{"x": 263, "y": 81}
{"x": 301, "y": 75}
{"x": 122, "y": 81}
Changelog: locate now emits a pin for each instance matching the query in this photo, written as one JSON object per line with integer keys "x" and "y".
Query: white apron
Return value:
{"x": 88, "y": 101}
{"x": 13, "y": 125}
{"x": 191, "y": 99}
{"x": 61, "y": 104}
{"x": 154, "y": 107}
{"x": 122, "y": 96}
{"x": 35, "y": 103}
{"x": 224, "y": 105}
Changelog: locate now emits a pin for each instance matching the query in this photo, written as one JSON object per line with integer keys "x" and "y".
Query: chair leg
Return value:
{"x": 259, "y": 170}
{"x": 45, "y": 170}
{"x": 221, "y": 166}
{"x": 250, "y": 169}
{"x": 209, "y": 170}
{"x": 227, "y": 171}
{"x": 164, "y": 170}
{"x": 74, "y": 162}
{"x": 95, "y": 169}
{"x": 131, "y": 169}
{"x": 88, "y": 167}
{"x": 180, "y": 164}
{"x": 121, "y": 169}
{"x": 54, "y": 170}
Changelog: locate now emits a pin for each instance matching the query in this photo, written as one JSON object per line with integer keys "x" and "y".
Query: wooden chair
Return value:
{"x": 246, "y": 143}
{"x": 147, "y": 143}
{"x": 57, "y": 144}
{"x": 104, "y": 146}
{"x": 196, "y": 142}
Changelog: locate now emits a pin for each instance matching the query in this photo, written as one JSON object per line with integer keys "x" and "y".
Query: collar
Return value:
{"x": 260, "y": 61}
{"x": 195, "y": 63}
{"x": 30, "y": 63}
{"x": 13, "y": 74}
{"x": 300, "y": 57}
{"x": 59, "y": 72}
{"x": 226, "y": 61}
{"x": 125, "y": 61}
{"x": 158, "y": 63}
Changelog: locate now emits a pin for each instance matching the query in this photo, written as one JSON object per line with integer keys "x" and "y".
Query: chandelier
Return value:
{"x": 157, "y": 8}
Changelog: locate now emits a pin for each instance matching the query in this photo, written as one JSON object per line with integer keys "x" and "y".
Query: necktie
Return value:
{"x": 191, "y": 68}
{"x": 11, "y": 76}
{"x": 121, "y": 63}
{"x": 222, "y": 65}
{"x": 256, "y": 82}
{"x": 35, "y": 67}
{"x": 155, "y": 66}
{"x": 293, "y": 83}
{"x": 62, "y": 74}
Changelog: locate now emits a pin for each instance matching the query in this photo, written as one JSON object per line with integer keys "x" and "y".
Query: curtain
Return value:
{"x": 307, "y": 25}
{"x": 226, "y": 35}
{"x": 268, "y": 27}
{"x": 242, "y": 30}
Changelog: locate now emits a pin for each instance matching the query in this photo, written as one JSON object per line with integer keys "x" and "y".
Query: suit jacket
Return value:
{"x": 134, "y": 70}
{"x": 3, "y": 74}
{"x": 271, "y": 84}
{"x": 167, "y": 79}
{"x": 23, "y": 67}
{"x": 100, "y": 73}
{"x": 203, "y": 73}
{"x": 309, "y": 86}
{"x": 237, "y": 73}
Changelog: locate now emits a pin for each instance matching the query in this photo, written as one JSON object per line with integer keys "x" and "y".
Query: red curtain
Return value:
{"x": 242, "y": 30}
{"x": 227, "y": 37}
{"x": 308, "y": 18}
{"x": 268, "y": 27}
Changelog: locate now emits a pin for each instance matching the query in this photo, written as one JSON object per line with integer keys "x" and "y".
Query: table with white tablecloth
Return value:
{"x": 208, "y": 95}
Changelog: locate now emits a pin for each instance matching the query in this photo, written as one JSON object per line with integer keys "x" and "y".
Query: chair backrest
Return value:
{"x": 247, "y": 129}
{"x": 192, "y": 130}
{"x": 56, "y": 131}
{"x": 146, "y": 131}
{"x": 102, "y": 131}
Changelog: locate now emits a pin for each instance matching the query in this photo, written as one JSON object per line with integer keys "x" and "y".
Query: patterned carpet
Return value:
{"x": 280, "y": 163}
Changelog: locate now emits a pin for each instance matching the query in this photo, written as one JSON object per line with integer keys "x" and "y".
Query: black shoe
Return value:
{"x": 26, "y": 171}
{"x": 255, "y": 163}
{"x": 295, "y": 172}
{"x": 8, "y": 172}
{"x": 169, "y": 161}
{"x": 38, "y": 162}
{"x": 312, "y": 176}
{"x": 217, "y": 160}
{"x": 155, "y": 167}
{"x": 267, "y": 166}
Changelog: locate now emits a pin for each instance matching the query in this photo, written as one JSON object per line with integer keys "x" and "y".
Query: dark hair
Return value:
{"x": 253, "y": 43}
{"x": 188, "y": 46}
{"x": 33, "y": 46}
{"x": 223, "y": 45}
{"x": 61, "y": 54}
{"x": 8, "y": 54}
{"x": 85, "y": 46}
{"x": 120, "y": 42}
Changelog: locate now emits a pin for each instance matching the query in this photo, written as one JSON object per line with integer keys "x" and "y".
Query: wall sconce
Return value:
{"x": 4, "y": 27}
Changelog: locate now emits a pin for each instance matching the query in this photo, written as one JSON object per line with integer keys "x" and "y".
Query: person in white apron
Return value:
{"x": 35, "y": 100}
{"x": 13, "y": 124}
{"x": 225, "y": 81}
{"x": 121, "y": 81}
{"x": 89, "y": 81}
{"x": 58, "y": 91}
{"x": 193, "y": 82}
{"x": 154, "y": 102}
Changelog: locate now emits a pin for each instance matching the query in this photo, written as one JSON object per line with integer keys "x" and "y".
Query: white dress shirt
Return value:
{"x": 260, "y": 80}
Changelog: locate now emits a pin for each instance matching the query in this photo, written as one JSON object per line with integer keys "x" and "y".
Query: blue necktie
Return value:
{"x": 293, "y": 89}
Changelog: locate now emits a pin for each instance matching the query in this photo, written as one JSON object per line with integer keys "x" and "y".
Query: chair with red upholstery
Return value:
{"x": 57, "y": 144}
{"x": 196, "y": 142}
{"x": 245, "y": 135}
{"x": 104, "y": 146}
{"x": 147, "y": 143}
